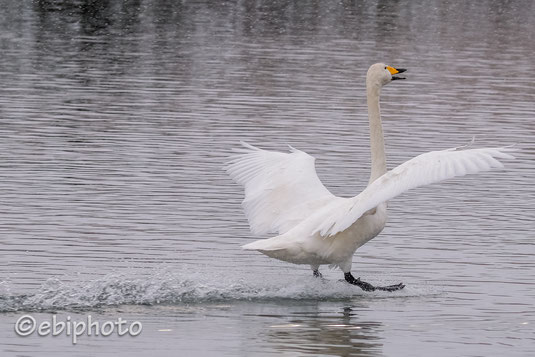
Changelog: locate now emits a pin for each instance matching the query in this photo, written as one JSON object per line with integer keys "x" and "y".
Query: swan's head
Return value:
{"x": 380, "y": 74}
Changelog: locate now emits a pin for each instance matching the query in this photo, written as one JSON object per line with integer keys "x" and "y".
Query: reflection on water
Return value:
{"x": 321, "y": 333}
{"x": 115, "y": 120}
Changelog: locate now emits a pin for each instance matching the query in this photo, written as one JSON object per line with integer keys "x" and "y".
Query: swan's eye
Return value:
{"x": 385, "y": 67}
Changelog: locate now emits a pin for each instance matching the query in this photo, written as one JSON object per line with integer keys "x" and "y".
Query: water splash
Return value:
{"x": 170, "y": 287}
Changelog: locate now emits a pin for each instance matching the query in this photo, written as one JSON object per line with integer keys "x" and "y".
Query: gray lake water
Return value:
{"x": 117, "y": 116}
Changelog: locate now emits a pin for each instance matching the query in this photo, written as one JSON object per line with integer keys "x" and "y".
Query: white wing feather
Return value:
{"x": 281, "y": 189}
{"x": 422, "y": 170}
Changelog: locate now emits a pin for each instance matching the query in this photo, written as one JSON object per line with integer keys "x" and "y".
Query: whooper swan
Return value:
{"x": 283, "y": 193}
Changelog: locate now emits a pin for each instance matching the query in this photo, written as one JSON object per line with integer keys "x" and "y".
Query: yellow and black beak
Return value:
{"x": 393, "y": 71}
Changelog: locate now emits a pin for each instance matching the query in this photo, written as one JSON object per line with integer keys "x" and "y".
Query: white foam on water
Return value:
{"x": 176, "y": 287}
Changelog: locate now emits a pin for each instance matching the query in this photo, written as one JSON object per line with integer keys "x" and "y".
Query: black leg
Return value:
{"x": 317, "y": 273}
{"x": 361, "y": 284}
{"x": 369, "y": 287}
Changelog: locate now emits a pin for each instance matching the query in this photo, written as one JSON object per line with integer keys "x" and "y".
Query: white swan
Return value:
{"x": 283, "y": 193}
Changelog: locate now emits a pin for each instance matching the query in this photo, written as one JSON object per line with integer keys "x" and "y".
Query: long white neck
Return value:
{"x": 377, "y": 142}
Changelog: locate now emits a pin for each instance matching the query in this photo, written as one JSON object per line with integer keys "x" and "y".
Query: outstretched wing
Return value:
{"x": 422, "y": 170}
{"x": 281, "y": 189}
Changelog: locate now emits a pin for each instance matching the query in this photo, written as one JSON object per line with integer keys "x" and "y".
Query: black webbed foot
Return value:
{"x": 391, "y": 287}
{"x": 369, "y": 287}
{"x": 317, "y": 273}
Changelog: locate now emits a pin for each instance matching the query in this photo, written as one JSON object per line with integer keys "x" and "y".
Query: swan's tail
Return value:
{"x": 262, "y": 244}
